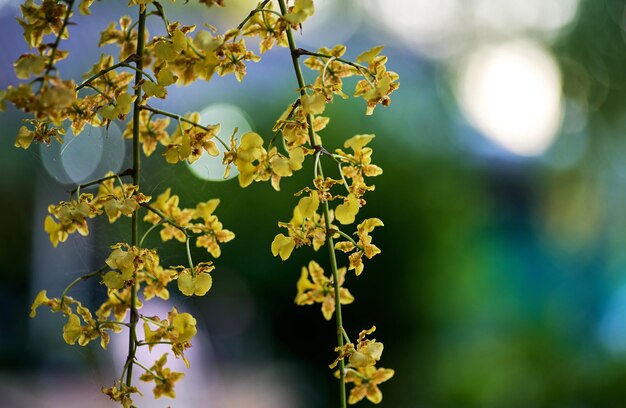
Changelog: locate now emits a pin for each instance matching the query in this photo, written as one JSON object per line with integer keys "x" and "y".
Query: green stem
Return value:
{"x": 151, "y": 320}
{"x": 257, "y": 10}
{"x": 361, "y": 68}
{"x": 330, "y": 243}
{"x": 161, "y": 13}
{"x": 323, "y": 76}
{"x": 182, "y": 119}
{"x": 148, "y": 232}
{"x": 132, "y": 335}
{"x": 193, "y": 270}
{"x": 105, "y": 96}
{"x": 343, "y": 178}
{"x": 338, "y": 317}
{"x": 349, "y": 238}
{"x": 316, "y": 164}
{"x": 358, "y": 374}
{"x": 126, "y": 365}
{"x": 165, "y": 218}
{"x": 126, "y": 172}
{"x": 106, "y": 322}
{"x": 123, "y": 64}
{"x": 345, "y": 335}
{"x": 152, "y": 343}
{"x": 152, "y": 373}
{"x": 80, "y": 279}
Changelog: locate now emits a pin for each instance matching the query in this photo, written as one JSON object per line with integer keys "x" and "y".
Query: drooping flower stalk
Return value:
{"x": 329, "y": 235}
{"x": 132, "y": 333}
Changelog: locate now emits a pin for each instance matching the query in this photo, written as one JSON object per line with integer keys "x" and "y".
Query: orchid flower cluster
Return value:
{"x": 120, "y": 88}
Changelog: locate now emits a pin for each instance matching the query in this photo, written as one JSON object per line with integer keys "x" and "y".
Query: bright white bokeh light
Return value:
{"x": 334, "y": 22}
{"x": 512, "y": 93}
{"x": 81, "y": 158}
{"x": 442, "y": 28}
{"x": 424, "y": 24}
{"x": 526, "y": 15}
{"x": 229, "y": 117}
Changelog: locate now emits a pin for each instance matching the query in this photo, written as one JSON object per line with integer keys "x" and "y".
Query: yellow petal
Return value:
{"x": 39, "y": 300}
{"x": 55, "y": 231}
{"x": 24, "y": 138}
{"x": 346, "y": 213}
{"x": 251, "y": 140}
{"x": 369, "y": 224}
{"x": 369, "y": 55}
{"x": 296, "y": 157}
{"x": 357, "y": 142}
{"x": 328, "y": 307}
{"x": 304, "y": 283}
{"x": 301, "y": 10}
{"x": 374, "y": 349}
{"x": 165, "y": 77}
{"x": 204, "y": 281}
{"x": 280, "y": 166}
{"x": 113, "y": 280}
{"x": 179, "y": 41}
{"x": 358, "y": 359}
{"x": 185, "y": 325}
{"x": 309, "y": 205}
{"x": 282, "y": 246}
{"x": 313, "y": 104}
{"x": 373, "y": 394}
{"x": 72, "y": 329}
{"x": 186, "y": 284}
{"x": 205, "y": 210}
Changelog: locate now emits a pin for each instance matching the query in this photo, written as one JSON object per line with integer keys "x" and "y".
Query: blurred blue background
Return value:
{"x": 502, "y": 277}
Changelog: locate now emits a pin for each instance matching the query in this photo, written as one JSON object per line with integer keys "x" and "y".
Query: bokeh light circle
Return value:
{"x": 512, "y": 94}
{"x": 95, "y": 151}
{"x": 229, "y": 117}
{"x": 334, "y": 22}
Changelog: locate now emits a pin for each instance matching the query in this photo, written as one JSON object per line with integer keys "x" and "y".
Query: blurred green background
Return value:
{"x": 502, "y": 277}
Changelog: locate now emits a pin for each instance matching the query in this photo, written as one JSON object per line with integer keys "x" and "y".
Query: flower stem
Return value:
{"x": 349, "y": 238}
{"x": 152, "y": 343}
{"x": 127, "y": 172}
{"x": 338, "y": 317}
{"x": 145, "y": 234}
{"x": 260, "y": 8}
{"x": 132, "y": 335}
{"x": 80, "y": 279}
{"x": 329, "y": 239}
{"x": 361, "y": 68}
{"x": 124, "y": 64}
{"x": 152, "y": 373}
{"x": 182, "y": 119}
{"x": 165, "y": 218}
{"x": 193, "y": 270}
{"x": 57, "y": 41}
{"x": 249, "y": 16}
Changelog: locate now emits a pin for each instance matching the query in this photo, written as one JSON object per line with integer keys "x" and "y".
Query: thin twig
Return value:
{"x": 122, "y": 64}
{"x": 326, "y": 212}
{"x": 127, "y": 172}
{"x": 55, "y": 45}
{"x": 165, "y": 218}
{"x": 253, "y": 12}
{"x": 80, "y": 279}
{"x": 183, "y": 119}
{"x": 301, "y": 51}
